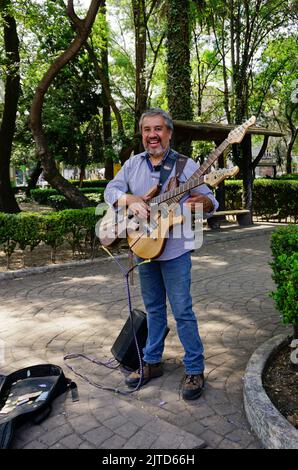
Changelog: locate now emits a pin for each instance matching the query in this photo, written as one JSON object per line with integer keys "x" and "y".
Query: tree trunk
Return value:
{"x": 83, "y": 161}
{"x": 246, "y": 163}
{"x": 8, "y": 202}
{"x": 106, "y": 108}
{"x": 139, "y": 13}
{"x": 178, "y": 60}
{"x": 51, "y": 173}
{"x": 127, "y": 144}
{"x": 289, "y": 151}
{"x": 34, "y": 178}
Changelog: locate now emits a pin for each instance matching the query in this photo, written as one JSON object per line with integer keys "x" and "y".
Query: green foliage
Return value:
{"x": 23, "y": 230}
{"x": 41, "y": 196}
{"x": 60, "y": 203}
{"x": 272, "y": 198}
{"x": 291, "y": 177}
{"x": 71, "y": 111}
{"x": 233, "y": 194}
{"x": 27, "y": 230}
{"x": 284, "y": 245}
{"x": 90, "y": 184}
{"x": 54, "y": 199}
{"x": 275, "y": 82}
{"x": 93, "y": 190}
{"x": 72, "y": 114}
{"x": 8, "y": 228}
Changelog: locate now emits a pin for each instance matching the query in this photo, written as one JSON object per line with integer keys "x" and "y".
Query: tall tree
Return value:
{"x": 12, "y": 91}
{"x": 140, "y": 23}
{"x": 143, "y": 12}
{"x": 50, "y": 171}
{"x": 178, "y": 63}
{"x": 275, "y": 89}
{"x": 241, "y": 28}
{"x": 106, "y": 108}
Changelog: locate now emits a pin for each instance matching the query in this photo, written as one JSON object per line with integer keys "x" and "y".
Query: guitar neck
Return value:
{"x": 195, "y": 180}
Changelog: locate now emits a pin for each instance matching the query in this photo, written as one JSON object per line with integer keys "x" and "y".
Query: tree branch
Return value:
{"x": 106, "y": 88}
{"x": 261, "y": 152}
{"x": 48, "y": 162}
{"x": 72, "y": 14}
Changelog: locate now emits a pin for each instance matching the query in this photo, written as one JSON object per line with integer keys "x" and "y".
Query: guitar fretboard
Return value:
{"x": 195, "y": 180}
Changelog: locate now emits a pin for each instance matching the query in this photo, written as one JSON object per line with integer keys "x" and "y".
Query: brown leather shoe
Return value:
{"x": 150, "y": 371}
{"x": 192, "y": 386}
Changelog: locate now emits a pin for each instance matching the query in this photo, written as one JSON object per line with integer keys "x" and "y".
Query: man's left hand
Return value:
{"x": 199, "y": 198}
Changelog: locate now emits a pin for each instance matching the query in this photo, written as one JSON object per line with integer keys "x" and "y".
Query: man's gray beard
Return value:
{"x": 157, "y": 152}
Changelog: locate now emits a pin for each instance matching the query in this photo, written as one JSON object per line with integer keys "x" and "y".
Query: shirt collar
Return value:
{"x": 147, "y": 156}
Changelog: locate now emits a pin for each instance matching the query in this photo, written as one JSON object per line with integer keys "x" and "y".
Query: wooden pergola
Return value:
{"x": 188, "y": 131}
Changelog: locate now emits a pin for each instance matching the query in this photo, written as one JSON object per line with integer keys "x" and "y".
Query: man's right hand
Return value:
{"x": 137, "y": 205}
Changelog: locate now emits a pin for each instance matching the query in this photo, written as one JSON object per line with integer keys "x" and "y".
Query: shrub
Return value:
{"x": 75, "y": 226}
{"x": 271, "y": 198}
{"x": 233, "y": 192}
{"x": 23, "y": 229}
{"x": 92, "y": 190}
{"x": 53, "y": 232}
{"x": 52, "y": 197}
{"x": 58, "y": 202}
{"x": 41, "y": 195}
{"x": 91, "y": 184}
{"x": 284, "y": 246}
{"x": 291, "y": 176}
{"x": 8, "y": 227}
{"x": 96, "y": 198}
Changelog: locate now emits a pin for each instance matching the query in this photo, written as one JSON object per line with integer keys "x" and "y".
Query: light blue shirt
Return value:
{"x": 137, "y": 177}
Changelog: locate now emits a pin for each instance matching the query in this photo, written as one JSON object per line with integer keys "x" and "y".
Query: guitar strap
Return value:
{"x": 166, "y": 167}
{"x": 180, "y": 164}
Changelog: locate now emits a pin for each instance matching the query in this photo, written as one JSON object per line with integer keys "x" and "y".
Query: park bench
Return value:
{"x": 242, "y": 217}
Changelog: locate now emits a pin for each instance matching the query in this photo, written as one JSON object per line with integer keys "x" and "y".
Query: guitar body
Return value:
{"x": 108, "y": 229}
{"x": 151, "y": 246}
{"x": 114, "y": 224}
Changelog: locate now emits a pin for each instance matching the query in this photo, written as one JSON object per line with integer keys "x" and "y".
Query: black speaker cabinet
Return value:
{"x": 124, "y": 349}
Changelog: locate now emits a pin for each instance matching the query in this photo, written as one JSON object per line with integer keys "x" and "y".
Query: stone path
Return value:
{"x": 82, "y": 309}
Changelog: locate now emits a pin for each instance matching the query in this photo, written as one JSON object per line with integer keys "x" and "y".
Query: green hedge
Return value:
{"x": 91, "y": 184}
{"x": 41, "y": 195}
{"x": 74, "y": 226}
{"x": 291, "y": 176}
{"x": 50, "y": 196}
{"x": 284, "y": 246}
{"x": 60, "y": 203}
{"x": 271, "y": 198}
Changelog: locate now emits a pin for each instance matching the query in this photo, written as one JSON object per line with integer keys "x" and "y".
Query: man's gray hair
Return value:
{"x": 157, "y": 112}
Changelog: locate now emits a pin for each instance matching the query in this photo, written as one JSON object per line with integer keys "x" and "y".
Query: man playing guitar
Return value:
{"x": 169, "y": 274}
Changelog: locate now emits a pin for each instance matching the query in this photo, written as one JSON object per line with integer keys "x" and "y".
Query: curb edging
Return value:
{"x": 274, "y": 431}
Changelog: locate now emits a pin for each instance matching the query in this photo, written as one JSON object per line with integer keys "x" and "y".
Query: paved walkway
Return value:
{"x": 82, "y": 309}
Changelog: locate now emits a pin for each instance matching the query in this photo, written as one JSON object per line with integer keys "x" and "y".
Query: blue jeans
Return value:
{"x": 171, "y": 278}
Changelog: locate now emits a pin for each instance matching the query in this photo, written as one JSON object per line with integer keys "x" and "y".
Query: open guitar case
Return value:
{"x": 27, "y": 394}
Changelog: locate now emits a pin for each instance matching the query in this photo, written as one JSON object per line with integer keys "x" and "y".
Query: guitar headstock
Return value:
{"x": 237, "y": 134}
{"x": 215, "y": 177}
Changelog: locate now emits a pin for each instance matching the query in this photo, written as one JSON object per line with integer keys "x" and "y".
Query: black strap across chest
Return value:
{"x": 168, "y": 165}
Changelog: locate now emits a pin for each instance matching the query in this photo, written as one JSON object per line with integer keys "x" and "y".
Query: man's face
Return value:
{"x": 155, "y": 135}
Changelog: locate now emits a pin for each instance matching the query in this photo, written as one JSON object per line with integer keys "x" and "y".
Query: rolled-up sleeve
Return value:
{"x": 189, "y": 170}
{"x": 118, "y": 186}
